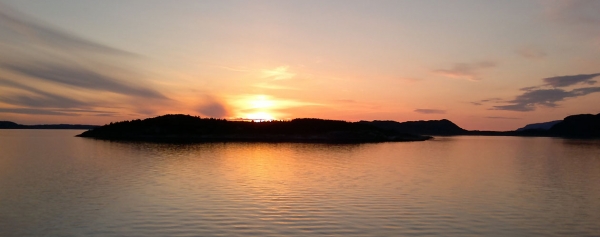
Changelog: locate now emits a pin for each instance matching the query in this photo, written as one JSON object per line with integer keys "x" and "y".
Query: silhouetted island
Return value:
{"x": 574, "y": 126}
{"x": 442, "y": 127}
{"x": 13, "y": 125}
{"x": 578, "y": 126}
{"x": 186, "y": 128}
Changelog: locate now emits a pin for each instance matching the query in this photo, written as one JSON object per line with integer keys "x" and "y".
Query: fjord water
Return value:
{"x": 54, "y": 184}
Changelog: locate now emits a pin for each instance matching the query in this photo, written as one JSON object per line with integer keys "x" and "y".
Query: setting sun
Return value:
{"x": 260, "y": 116}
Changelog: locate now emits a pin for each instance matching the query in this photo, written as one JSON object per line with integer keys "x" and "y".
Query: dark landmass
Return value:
{"x": 578, "y": 126}
{"x": 185, "y": 128}
{"x": 542, "y": 126}
{"x": 442, "y": 127}
{"x": 575, "y": 126}
{"x": 13, "y": 125}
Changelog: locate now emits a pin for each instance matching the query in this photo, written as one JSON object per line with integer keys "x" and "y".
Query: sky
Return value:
{"x": 483, "y": 64}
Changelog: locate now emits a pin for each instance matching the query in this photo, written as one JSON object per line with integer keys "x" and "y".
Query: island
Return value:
{"x": 13, "y": 125}
{"x": 186, "y": 128}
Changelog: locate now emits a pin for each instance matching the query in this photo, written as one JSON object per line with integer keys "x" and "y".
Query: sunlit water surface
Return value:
{"x": 54, "y": 184}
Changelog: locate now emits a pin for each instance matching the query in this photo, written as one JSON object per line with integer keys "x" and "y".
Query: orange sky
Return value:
{"x": 487, "y": 65}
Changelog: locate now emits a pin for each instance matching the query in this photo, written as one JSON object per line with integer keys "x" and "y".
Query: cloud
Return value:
{"x": 574, "y": 11}
{"x": 40, "y": 98}
{"x": 564, "y": 81}
{"x": 80, "y": 77}
{"x": 530, "y": 100}
{"x": 213, "y": 108}
{"x": 233, "y": 69}
{"x": 577, "y": 17}
{"x": 34, "y": 111}
{"x": 530, "y": 88}
{"x": 15, "y": 24}
{"x": 430, "y": 111}
{"x": 346, "y": 101}
{"x": 501, "y": 117}
{"x": 548, "y": 94}
{"x": 531, "y": 52}
{"x": 267, "y": 85}
{"x": 469, "y": 71}
{"x": 279, "y": 73}
{"x": 36, "y": 54}
{"x": 481, "y": 102}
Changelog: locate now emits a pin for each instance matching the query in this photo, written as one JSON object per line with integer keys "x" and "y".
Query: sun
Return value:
{"x": 261, "y": 102}
{"x": 260, "y": 116}
{"x": 257, "y": 107}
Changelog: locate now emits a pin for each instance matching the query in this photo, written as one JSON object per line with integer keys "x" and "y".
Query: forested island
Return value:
{"x": 186, "y": 128}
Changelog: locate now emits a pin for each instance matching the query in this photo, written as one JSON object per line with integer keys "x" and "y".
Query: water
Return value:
{"x": 54, "y": 184}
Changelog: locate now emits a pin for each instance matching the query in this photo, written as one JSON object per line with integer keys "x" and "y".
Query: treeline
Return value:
{"x": 194, "y": 128}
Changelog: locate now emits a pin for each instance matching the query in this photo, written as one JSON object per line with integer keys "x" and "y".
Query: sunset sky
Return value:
{"x": 487, "y": 65}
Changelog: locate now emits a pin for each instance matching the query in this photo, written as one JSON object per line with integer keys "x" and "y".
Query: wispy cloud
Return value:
{"x": 501, "y": 117}
{"x": 213, "y": 108}
{"x": 35, "y": 111}
{"x": 233, "y": 69}
{"x": 574, "y": 11}
{"x": 430, "y": 111}
{"x": 18, "y": 25}
{"x": 577, "y": 17}
{"x": 346, "y": 101}
{"x": 469, "y": 71}
{"x": 38, "y": 98}
{"x": 548, "y": 94}
{"x": 266, "y": 85}
{"x": 530, "y": 100}
{"x": 564, "y": 81}
{"x": 41, "y": 65}
{"x": 481, "y": 102}
{"x": 80, "y": 77}
{"x": 279, "y": 73}
{"x": 531, "y": 52}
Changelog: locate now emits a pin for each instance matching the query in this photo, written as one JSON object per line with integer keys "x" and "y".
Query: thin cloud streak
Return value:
{"x": 34, "y": 111}
{"x": 81, "y": 78}
{"x": 469, "y": 71}
{"x": 564, "y": 81}
{"x": 501, "y": 117}
{"x": 430, "y": 111}
{"x": 279, "y": 73}
{"x": 16, "y": 24}
{"x": 42, "y": 98}
{"x": 531, "y": 52}
{"x": 548, "y": 94}
{"x": 530, "y": 100}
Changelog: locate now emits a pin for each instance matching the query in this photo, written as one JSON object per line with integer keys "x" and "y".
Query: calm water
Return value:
{"x": 54, "y": 184}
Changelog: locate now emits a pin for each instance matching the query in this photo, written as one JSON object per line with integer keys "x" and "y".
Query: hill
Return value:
{"x": 431, "y": 127}
{"x": 185, "y": 128}
{"x": 578, "y": 126}
{"x": 9, "y": 125}
{"x": 542, "y": 126}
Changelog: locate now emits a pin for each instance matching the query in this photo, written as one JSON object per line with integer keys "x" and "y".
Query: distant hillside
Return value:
{"x": 580, "y": 126}
{"x": 431, "y": 127}
{"x": 9, "y": 124}
{"x": 13, "y": 125}
{"x": 185, "y": 128}
{"x": 542, "y": 126}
